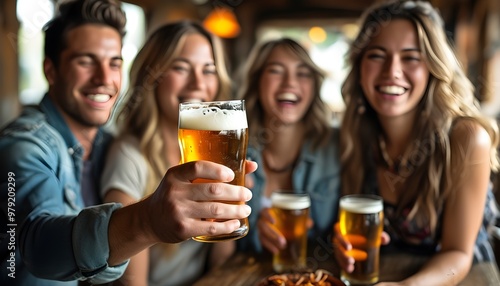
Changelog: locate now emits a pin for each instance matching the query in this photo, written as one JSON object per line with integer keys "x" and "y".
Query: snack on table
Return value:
{"x": 318, "y": 278}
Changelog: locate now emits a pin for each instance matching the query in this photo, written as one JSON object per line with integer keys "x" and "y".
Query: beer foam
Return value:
{"x": 290, "y": 201}
{"x": 212, "y": 119}
{"x": 361, "y": 205}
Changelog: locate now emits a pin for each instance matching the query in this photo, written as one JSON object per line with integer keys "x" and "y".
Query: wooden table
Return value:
{"x": 247, "y": 270}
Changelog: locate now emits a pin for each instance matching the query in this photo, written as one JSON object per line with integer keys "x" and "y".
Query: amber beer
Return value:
{"x": 217, "y": 132}
{"x": 290, "y": 211}
{"x": 361, "y": 223}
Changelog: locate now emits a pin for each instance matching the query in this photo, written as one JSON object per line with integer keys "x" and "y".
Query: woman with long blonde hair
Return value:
{"x": 413, "y": 134}
{"x": 179, "y": 62}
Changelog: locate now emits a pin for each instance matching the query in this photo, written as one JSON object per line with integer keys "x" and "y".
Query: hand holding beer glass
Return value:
{"x": 361, "y": 223}
{"x": 217, "y": 132}
{"x": 290, "y": 212}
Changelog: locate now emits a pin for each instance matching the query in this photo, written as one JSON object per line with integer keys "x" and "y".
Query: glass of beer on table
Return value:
{"x": 361, "y": 223}
{"x": 290, "y": 212}
{"x": 218, "y": 132}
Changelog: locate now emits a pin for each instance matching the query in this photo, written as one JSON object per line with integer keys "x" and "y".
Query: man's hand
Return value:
{"x": 178, "y": 206}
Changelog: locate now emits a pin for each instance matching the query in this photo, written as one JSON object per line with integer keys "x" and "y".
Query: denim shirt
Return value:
{"x": 45, "y": 233}
{"x": 317, "y": 172}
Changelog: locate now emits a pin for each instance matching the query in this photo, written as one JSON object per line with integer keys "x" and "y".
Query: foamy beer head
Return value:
{"x": 217, "y": 132}
{"x": 290, "y": 201}
{"x": 362, "y": 204}
{"x": 213, "y": 116}
{"x": 291, "y": 212}
{"x": 361, "y": 223}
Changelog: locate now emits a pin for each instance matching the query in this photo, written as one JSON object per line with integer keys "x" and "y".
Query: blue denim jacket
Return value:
{"x": 45, "y": 233}
{"x": 317, "y": 172}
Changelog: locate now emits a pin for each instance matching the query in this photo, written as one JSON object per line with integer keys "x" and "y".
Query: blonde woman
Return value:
{"x": 413, "y": 134}
{"x": 291, "y": 138}
{"x": 180, "y": 62}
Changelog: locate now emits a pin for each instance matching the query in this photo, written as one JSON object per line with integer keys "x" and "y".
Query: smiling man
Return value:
{"x": 52, "y": 229}
{"x": 53, "y": 152}
{"x": 85, "y": 81}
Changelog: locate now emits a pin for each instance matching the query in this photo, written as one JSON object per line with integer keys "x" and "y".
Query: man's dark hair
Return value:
{"x": 76, "y": 13}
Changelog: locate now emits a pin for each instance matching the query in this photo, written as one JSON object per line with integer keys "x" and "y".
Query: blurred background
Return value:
{"x": 325, "y": 27}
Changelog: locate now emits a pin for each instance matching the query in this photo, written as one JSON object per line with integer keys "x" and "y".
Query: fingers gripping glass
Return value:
{"x": 217, "y": 132}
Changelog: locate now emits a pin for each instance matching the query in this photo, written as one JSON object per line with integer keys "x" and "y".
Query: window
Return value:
{"x": 32, "y": 16}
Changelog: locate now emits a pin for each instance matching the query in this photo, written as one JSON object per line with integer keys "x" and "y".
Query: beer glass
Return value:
{"x": 290, "y": 212}
{"x": 218, "y": 132}
{"x": 361, "y": 223}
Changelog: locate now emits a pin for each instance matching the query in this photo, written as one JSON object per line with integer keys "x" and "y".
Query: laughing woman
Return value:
{"x": 290, "y": 137}
{"x": 413, "y": 134}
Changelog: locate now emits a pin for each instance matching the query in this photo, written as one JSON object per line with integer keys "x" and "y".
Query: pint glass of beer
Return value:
{"x": 218, "y": 132}
{"x": 290, "y": 212}
{"x": 361, "y": 223}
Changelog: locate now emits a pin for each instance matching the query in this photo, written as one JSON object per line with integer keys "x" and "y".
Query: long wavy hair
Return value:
{"x": 317, "y": 118}
{"x": 449, "y": 97}
{"x": 140, "y": 115}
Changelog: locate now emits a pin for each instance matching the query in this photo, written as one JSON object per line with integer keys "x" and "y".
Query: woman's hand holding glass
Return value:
{"x": 270, "y": 237}
{"x": 342, "y": 246}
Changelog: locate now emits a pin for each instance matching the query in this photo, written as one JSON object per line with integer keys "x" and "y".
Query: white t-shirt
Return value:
{"x": 169, "y": 264}
{"x": 125, "y": 168}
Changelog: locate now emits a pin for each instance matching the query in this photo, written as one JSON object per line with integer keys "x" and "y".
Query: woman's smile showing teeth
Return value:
{"x": 99, "y": 97}
{"x": 391, "y": 89}
{"x": 288, "y": 97}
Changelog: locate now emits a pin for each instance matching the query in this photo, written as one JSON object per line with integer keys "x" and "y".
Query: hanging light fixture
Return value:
{"x": 222, "y": 22}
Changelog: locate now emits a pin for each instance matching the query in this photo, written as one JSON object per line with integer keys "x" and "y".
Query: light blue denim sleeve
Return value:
{"x": 54, "y": 239}
{"x": 91, "y": 247}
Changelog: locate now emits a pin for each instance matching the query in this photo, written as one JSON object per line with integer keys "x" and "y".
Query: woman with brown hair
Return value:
{"x": 291, "y": 137}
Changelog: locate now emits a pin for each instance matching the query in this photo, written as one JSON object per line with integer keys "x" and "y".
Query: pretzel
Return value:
{"x": 317, "y": 278}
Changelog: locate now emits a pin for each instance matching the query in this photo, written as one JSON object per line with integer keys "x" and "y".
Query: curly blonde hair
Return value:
{"x": 317, "y": 118}
{"x": 140, "y": 115}
{"x": 448, "y": 98}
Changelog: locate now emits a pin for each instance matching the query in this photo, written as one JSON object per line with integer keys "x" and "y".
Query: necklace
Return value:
{"x": 393, "y": 166}
{"x": 283, "y": 169}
